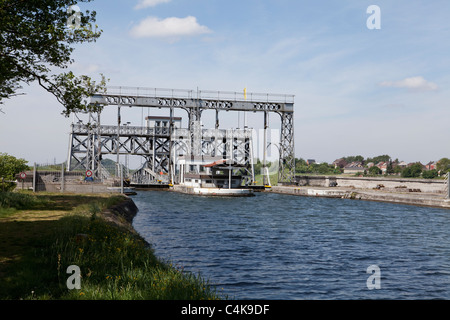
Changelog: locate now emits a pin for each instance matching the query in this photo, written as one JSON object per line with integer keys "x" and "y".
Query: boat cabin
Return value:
{"x": 208, "y": 172}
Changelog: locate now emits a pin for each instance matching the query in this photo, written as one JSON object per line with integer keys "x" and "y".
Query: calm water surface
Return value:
{"x": 285, "y": 247}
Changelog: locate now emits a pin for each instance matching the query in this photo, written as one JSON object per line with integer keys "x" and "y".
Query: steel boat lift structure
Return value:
{"x": 161, "y": 144}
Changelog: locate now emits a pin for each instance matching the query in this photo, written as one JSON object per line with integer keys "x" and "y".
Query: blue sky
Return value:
{"x": 357, "y": 91}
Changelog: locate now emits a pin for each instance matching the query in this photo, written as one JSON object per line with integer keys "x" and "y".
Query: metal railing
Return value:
{"x": 198, "y": 94}
{"x": 108, "y": 130}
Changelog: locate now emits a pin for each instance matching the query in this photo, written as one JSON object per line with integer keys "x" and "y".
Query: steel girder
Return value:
{"x": 194, "y": 103}
{"x": 286, "y": 171}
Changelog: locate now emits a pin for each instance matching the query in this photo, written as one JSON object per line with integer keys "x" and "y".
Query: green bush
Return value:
{"x": 375, "y": 171}
{"x": 430, "y": 174}
{"x": 413, "y": 171}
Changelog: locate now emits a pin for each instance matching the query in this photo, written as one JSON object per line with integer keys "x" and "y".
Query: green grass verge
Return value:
{"x": 115, "y": 263}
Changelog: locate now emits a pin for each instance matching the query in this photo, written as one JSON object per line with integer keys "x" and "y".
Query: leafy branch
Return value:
{"x": 34, "y": 39}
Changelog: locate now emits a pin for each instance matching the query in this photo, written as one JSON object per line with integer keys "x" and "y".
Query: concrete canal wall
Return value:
{"x": 389, "y": 184}
{"x": 411, "y": 198}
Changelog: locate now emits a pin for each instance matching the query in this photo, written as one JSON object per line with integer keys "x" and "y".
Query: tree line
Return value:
{"x": 414, "y": 170}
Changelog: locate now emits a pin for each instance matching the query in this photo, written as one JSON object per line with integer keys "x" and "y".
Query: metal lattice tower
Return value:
{"x": 88, "y": 143}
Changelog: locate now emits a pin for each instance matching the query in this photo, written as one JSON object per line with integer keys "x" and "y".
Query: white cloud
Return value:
{"x": 168, "y": 28}
{"x": 413, "y": 84}
{"x": 149, "y": 3}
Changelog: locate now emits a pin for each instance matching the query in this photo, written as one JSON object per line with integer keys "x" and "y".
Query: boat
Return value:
{"x": 210, "y": 176}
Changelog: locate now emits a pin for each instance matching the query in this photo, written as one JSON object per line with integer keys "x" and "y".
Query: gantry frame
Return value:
{"x": 194, "y": 103}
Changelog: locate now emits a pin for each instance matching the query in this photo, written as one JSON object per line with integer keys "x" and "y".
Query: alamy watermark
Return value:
{"x": 374, "y": 280}
{"x": 74, "y": 281}
{"x": 374, "y": 20}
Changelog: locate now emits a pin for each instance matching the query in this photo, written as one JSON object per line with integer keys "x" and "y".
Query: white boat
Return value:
{"x": 210, "y": 176}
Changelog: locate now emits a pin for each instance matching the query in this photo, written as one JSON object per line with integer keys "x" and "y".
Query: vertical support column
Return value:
{"x": 153, "y": 168}
{"x": 191, "y": 131}
{"x": 265, "y": 178}
{"x": 217, "y": 119}
{"x": 70, "y": 152}
{"x": 93, "y": 157}
{"x": 118, "y": 138}
{"x": 197, "y": 139}
{"x": 170, "y": 162}
{"x": 121, "y": 177}
{"x": 286, "y": 171}
{"x": 98, "y": 153}
{"x": 195, "y": 131}
{"x": 88, "y": 157}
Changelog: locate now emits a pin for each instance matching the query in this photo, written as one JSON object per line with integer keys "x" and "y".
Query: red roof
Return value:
{"x": 215, "y": 163}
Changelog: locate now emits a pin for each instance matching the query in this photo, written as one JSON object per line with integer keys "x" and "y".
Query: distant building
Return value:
{"x": 310, "y": 161}
{"x": 353, "y": 168}
{"x": 339, "y": 163}
{"x": 431, "y": 165}
{"x": 383, "y": 166}
{"x": 402, "y": 164}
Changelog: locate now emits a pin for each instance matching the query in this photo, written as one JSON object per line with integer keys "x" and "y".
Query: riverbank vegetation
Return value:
{"x": 382, "y": 165}
{"x": 47, "y": 233}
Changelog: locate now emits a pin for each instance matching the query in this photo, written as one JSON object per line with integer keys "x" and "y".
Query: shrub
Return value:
{"x": 431, "y": 174}
{"x": 413, "y": 171}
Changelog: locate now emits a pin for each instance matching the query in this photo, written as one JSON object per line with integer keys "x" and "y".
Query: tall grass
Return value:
{"x": 114, "y": 263}
{"x": 10, "y": 202}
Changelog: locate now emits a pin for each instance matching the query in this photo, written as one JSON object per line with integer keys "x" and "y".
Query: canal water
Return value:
{"x": 284, "y": 247}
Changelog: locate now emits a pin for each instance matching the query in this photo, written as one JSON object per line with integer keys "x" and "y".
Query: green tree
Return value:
{"x": 9, "y": 167}
{"x": 378, "y": 159}
{"x": 430, "y": 174}
{"x": 414, "y": 171}
{"x": 37, "y": 37}
{"x": 373, "y": 171}
{"x": 443, "y": 165}
{"x": 357, "y": 158}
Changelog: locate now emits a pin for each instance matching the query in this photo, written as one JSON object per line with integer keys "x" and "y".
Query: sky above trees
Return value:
{"x": 357, "y": 90}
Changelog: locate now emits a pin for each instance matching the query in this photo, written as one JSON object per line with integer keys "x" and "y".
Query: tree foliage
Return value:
{"x": 375, "y": 171}
{"x": 9, "y": 167}
{"x": 430, "y": 174}
{"x": 378, "y": 159}
{"x": 315, "y": 168}
{"x": 36, "y": 37}
{"x": 350, "y": 159}
{"x": 443, "y": 165}
{"x": 414, "y": 171}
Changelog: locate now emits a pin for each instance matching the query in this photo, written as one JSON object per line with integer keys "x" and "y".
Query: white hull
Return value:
{"x": 221, "y": 192}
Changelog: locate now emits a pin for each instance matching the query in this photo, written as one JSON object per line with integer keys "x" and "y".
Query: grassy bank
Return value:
{"x": 47, "y": 233}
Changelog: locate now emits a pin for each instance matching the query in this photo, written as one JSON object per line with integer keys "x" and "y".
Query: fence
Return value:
{"x": 55, "y": 178}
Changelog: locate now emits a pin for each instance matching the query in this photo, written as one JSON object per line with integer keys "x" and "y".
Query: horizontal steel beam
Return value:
{"x": 124, "y": 131}
{"x": 228, "y": 101}
{"x": 199, "y": 94}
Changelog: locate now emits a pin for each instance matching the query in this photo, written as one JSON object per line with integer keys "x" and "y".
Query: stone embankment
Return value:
{"x": 122, "y": 214}
{"x": 421, "y": 193}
